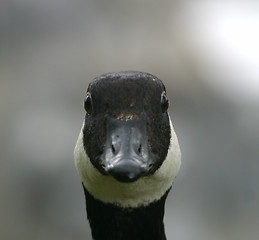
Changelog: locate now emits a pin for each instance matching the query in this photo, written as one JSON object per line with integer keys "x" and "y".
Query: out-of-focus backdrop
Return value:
{"x": 207, "y": 54}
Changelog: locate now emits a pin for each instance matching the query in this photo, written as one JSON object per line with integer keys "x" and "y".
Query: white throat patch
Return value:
{"x": 139, "y": 193}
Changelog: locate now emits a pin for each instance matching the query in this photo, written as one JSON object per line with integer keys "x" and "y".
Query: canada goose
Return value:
{"x": 127, "y": 156}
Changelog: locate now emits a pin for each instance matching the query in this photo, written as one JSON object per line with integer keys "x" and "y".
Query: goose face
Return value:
{"x": 126, "y": 131}
{"x": 127, "y": 153}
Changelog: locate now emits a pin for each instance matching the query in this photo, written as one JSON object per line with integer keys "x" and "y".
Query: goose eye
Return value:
{"x": 88, "y": 103}
{"x": 164, "y": 102}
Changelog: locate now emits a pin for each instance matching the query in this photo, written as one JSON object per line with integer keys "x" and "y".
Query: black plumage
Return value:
{"x": 111, "y": 222}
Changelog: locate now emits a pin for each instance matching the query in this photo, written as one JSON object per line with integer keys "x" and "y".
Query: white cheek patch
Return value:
{"x": 141, "y": 192}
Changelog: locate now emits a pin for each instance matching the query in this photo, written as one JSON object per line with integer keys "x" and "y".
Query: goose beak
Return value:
{"x": 126, "y": 156}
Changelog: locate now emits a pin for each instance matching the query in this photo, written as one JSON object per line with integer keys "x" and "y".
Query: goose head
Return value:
{"x": 127, "y": 152}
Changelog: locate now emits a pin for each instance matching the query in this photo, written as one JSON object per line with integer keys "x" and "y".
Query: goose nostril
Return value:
{"x": 139, "y": 149}
{"x": 113, "y": 149}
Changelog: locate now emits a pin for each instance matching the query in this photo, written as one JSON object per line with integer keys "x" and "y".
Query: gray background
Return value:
{"x": 207, "y": 54}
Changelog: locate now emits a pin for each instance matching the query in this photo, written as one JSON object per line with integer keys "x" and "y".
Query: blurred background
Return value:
{"x": 206, "y": 53}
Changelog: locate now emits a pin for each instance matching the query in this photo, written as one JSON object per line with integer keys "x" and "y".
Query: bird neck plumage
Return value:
{"x": 110, "y": 222}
